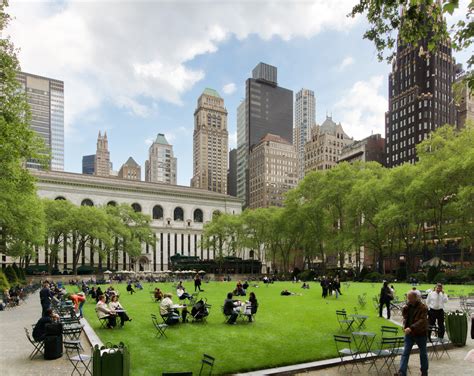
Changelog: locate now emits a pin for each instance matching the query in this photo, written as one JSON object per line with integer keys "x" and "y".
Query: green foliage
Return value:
{"x": 374, "y": 277}
{"x": 4, "y": 284}
{"x": 440, "y": 278}
{"x": 402, "y": 274}
{"x": 432, "y": 272}
{"x": 11, "y": 275}
{"x": 420, "y": 276}
{"x": 420, "y": 20}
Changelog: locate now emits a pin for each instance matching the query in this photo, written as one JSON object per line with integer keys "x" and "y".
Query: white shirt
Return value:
{"x": 436, "y": 300}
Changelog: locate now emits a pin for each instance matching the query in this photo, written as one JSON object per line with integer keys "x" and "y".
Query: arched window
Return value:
{"x": 137, "y": 207}
{"x": 178, "y": 214}
{"x": 198, "y": 216}
{"x": 157, "y": 212}
{"x": 60, "y": 198}
{"x": 111, "y": 203}
{"x": 87, "y": 202}
{"x": 251, "y": 254}
{"x": 215, "y": 214}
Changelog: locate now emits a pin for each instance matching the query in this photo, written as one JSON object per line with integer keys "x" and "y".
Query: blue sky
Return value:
{"x": 138, "y": 69}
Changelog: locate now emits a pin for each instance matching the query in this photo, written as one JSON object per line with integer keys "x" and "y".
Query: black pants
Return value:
{"x": 197, "y": 286}
{"x": 123, "y": 317}
{"x": 111, "y": 321}
{"x": 387, "y": 304}
{"x": 437, "y": 315}
{"x": 472, "y": 328}
{"x": 233, "y": 317}
{"x": 45, "y": 307}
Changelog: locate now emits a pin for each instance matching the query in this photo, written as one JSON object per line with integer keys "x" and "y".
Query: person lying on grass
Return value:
{"x": 288, "y": 293}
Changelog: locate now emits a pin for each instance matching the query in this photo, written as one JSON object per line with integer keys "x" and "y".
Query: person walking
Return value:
{"x": 386, "y": 296}
{"x": 415, "y": 326}
{"x": 324, "y": 286}
{"x": 197, "y": 282}
{"x": 46, "y": 295}
{"x": 435, "y": 301}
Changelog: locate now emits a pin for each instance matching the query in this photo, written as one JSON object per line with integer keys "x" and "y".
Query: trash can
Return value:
{"x": 53, "y": 342}
{"x": 456, "y": 326}
{"x": 111, "y": 360}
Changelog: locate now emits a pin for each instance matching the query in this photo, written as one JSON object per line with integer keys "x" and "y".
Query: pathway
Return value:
{"x": 15, "y": 348}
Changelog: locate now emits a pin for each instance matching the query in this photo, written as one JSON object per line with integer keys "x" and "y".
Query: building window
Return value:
{"x": 60, "y": 198}
{"x": 157, "y": 212}
{"x": 178, "y": 214}
{"x": 111, "y": 203}
{"x": 87, "y": 202}
{"x": 136, "y": 207}
{"x": 198, "y": 216}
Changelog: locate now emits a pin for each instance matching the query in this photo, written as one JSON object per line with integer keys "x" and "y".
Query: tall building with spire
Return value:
{"x": 102, "y": 156}
{"x": 210, "y": 143}
{"x": 161, "y": 166}
{"x": 420, "y": 98}
{"x": 305, "y": 120}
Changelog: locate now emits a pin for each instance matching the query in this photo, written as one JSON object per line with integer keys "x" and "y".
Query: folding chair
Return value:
{"x": 38, "y": 345}
{"x": 396, "y": 351}
{"x": 391, "y": 330}
{"x": 343, "y": 321}
{"x": 160, "y": 328}
{"x": 226, "y": 317}
{"x": 342, "y": 351}
{"x": 207, "y": 362}
{"x": 72, "y": 332}
{"x": 439, "y": 346}
{"x": 387, "y": 345}
{"x": 80, "y": 362}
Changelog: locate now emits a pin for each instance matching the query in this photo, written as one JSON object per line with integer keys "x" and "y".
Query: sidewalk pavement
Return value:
{"x": 15, "y": 348}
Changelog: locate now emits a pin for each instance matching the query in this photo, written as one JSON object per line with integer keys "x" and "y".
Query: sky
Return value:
{"x": 136, "y": 68}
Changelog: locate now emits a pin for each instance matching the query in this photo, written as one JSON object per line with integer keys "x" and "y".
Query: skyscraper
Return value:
{"x": 268, "y": 109}
{"x": 232, "y": 174}
{"x": 46, "y": 100}
{"x": 88, "y": 162}
{"x": 130, "y": 170}
{"x": 305, "y": 119}
{"x": 272, "y": 171}
{"x": 323, "y": 150}
{"x": 465, "y": 105}
{"x": 420, "y": 98}
{"x": 210, "y": 143}
{"x": 102, "y": 165}
{"x": 161, "y": 166}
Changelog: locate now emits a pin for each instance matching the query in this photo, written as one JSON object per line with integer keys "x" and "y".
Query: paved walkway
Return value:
{"x": 15, "y": 348}
{"x": 455, "y": 365}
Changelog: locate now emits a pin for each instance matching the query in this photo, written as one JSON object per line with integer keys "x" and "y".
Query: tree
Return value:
{"x": 129, "y": 229}
{"x": 20, "y": 209}
{"x": 88, "y": 224}
{"x": 416, "y": 20}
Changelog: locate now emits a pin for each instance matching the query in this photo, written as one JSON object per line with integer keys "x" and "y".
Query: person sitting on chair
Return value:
{"x": 98, "y": 293}
{"x": 130, "y": 288}
{"x": 230, "y": 309}
{"x": 115, "y": 306}
{"x": 39, "y": 331}
{"x": 138, "y": 285}
{"x": 239, "y": 290}
{"x": 105, "y": 312}
{"x": 167, "y": 310}
{"x": 181, "y": 292}
{"x": 252, "y": 306}
{"x": 158, "y": 295}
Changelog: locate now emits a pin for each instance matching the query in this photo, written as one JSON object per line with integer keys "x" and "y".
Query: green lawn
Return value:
{"x": 287, "y": 330}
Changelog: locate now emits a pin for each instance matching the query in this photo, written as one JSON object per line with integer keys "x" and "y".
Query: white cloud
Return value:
{"x": 348, "y": 61}
{"x": 139, "y": 51}
{"x": 229, "y": 88}
{"x": 362, "y": 108}
{"x": 149, "y": 141}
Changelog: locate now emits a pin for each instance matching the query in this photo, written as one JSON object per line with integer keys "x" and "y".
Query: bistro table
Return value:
{"x": 359, "y": 319}
{"x": 363, "y": 342}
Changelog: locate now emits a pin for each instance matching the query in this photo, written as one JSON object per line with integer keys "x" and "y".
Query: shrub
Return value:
{"x": 440, "y": 278}
{"x": 4, "y": 285}
{"x": 432, "y": 272}
{"x": 420, "y": 276}
{"x": 373, "y": 277}
{"x": 402, "y": 274}
{"x": 363, "y": 273}
{"x": 11, "y": 275}
{"x": 307, "y": 275}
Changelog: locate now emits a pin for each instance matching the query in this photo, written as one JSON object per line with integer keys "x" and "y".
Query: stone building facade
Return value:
{"x": 130, "y": 170}
{"x": 178, "y": 215}
{"x": 102, "y": 156}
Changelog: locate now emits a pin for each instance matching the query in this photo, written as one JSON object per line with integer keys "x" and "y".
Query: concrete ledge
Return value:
{"x": 91, "y": 336}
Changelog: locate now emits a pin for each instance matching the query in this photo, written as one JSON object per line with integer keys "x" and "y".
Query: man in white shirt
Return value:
{"x": 435, "y": 301}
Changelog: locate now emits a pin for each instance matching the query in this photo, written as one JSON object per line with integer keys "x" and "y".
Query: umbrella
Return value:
{"x": 435, "y": 261}
{"x": 107, "y": 272}
{"x": 202, "y": 272}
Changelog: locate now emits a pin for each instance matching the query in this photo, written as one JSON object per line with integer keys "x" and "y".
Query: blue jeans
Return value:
{"x": 409, "y": 342}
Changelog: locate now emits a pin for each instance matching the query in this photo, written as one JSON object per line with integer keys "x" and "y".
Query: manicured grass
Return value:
{"x": 287, "y": 330}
